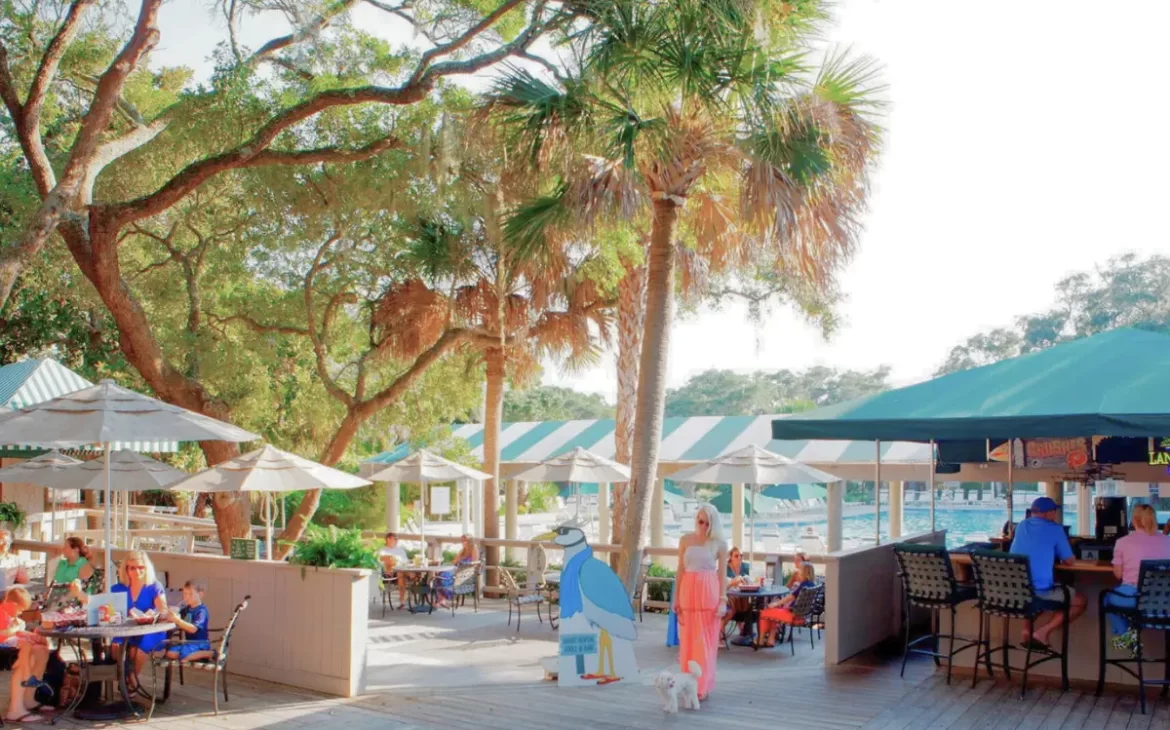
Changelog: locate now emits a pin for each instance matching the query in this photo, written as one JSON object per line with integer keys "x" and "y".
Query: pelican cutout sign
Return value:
{"x": 597, "y": 625}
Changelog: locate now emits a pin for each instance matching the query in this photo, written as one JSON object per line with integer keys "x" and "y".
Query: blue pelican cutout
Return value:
{"x": 590, "y": 586}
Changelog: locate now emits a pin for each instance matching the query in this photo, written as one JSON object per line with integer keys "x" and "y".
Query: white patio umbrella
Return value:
{"x": 575, "y": 467}
{"x": 755, "y": 466}
{"x": 422, "y": 468}
{"x": 107, "y": 413}
{"x": 268, "y": 470}
{"x": 38, "y": 471}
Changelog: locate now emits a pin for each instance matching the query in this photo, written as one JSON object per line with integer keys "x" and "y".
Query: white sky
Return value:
{"x": 1025, "y": 141}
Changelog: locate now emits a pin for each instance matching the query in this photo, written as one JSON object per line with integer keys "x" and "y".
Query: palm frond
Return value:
{"x": 539, "y": 116}
{"x": 530, "y": 227}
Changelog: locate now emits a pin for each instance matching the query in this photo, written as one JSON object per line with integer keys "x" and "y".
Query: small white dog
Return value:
{"x": 679, "y": 689}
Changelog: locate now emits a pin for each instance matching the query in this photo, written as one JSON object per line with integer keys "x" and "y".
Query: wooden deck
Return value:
{"x": 471, "y": 671}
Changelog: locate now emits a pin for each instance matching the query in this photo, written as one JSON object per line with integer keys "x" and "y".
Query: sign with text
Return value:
{"x": 244, "y": 548}
{"x": 578, "y": 644}
{"x": 440, "y": 500}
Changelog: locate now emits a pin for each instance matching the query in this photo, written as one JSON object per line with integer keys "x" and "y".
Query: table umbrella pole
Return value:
{"x": 108, "y": 562}
{"x": 268, "y": 525}
{"x": 752, "y": 530}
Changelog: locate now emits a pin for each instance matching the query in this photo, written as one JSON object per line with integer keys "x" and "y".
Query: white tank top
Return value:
{"x": 698, "y": 558}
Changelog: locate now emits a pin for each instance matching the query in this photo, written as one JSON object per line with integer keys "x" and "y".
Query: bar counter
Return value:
{"x": 1088, "y": 578}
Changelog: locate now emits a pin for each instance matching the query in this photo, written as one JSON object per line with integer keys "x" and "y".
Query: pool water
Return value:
{"x": 962, "y": 525}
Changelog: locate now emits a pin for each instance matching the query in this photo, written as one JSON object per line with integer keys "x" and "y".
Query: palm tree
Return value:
{"x": 699, "y": 120}
{"x": 524, "y": 303}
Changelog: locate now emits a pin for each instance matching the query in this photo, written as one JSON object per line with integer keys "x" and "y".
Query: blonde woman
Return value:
{"x": 1144, "y": 543}
{"x": 700, "y": 598}
{"x": 136, "y": 578}
{"x": 11, "y": 571}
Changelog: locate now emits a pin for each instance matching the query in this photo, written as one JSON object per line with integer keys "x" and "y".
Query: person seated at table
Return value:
{"x": 136, "y": 578}
{"x": 74, "y": 563}
{"x": 31, "y": 659}
{"x": 391, "y": 555}
{"x": 780, "y": 611}
{"x": 738, "y": 573}
{"x": 192, "y": 620}
{"x": 1042, "y": 538}
{"x": 798, "y": 560}
{"x": 468, "y": 553}
{"x": 1144, "y": 543}
{"x": 11, "y": 571}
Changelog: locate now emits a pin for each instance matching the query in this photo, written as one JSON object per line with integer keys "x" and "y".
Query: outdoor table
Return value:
{"x": 128, "y": 631}
{"x": 758, "y": 600}
{"x": 428, "y": 572}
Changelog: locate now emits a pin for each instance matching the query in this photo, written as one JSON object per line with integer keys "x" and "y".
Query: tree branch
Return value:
{"x": 259, "y": 327}
{"x": 60, "y": 200}
{"x": 51, "y": 61}
{"x": 469, "y": 35}
{"x": 319, "y": 24}
{"x": 251, "y": 154}
{"x": 395, "y": 390}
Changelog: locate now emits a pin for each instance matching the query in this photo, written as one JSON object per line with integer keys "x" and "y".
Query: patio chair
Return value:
{"x": 1003, "y": 582}
{"x": 535, "y": 563}
{"x": 465, "y": 583}
{"x": 215, "y": 661}
{"x": 389, "y": 585}
{"x": 641, "y": 589}
{"x": 1152, "y": 613}
{"x": 803, "y": 610}
{"x": 928, "y": 581}
{"x": 519, "y": 597}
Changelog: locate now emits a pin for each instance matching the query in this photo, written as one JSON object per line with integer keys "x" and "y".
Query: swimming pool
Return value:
{"x": 962, "y": 525}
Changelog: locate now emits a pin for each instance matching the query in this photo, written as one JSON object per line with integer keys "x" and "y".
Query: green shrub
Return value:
{"x": 519, "y": 575}
{"x": 657, "y": 590}
{"x": 332, "y": 547}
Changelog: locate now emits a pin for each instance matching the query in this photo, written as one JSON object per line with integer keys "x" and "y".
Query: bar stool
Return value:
{"x": 928, "y": 581}
{"x": 1003, "y": 582}
{"x": 1152, "y": 612}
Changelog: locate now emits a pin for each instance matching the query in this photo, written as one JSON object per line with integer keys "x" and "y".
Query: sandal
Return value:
{"x": 32, "y": 717}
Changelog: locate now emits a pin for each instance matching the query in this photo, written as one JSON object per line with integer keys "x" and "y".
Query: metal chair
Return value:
{"x": 1003, "y": 582}
{"x": 803, "y": 610}
{"x": 389, "y": 585}
{"x": 641, "y": 588}
{"x": 928, "y": 581}
{"x": 1152, "y": 612}
{"x": 519, "y": 597}
{"x": 215, "y": 661}
{"x": 465, "y": 583}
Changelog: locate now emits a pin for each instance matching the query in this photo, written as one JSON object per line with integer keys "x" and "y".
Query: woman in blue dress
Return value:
{"x": 137, "y": 580}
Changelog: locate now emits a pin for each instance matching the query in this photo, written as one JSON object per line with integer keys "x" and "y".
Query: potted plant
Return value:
{"x": 334, "y": 547}
{"x": 12, "y": 516}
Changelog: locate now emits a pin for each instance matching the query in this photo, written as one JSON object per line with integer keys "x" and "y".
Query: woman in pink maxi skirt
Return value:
{"x": 700, "y": 595}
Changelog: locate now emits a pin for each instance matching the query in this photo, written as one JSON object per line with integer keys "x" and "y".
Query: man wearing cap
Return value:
{"x": 1042, "y": 538}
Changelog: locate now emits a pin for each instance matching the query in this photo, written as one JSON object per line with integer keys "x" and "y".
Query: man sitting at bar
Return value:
{"x": 1042, "y": 538}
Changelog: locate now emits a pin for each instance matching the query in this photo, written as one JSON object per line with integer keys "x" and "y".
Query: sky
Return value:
{"x": 1024, "y": 141}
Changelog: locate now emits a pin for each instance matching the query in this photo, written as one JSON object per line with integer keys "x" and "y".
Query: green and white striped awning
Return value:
{"x": 32, "y": 381}
{"x": 684, "y": 441}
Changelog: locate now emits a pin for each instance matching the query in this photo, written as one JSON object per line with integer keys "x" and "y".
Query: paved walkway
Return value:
{"x": 472, "y": 671}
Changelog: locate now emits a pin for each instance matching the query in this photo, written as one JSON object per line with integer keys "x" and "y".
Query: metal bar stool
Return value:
{"x": 1152, "y": 612}
{"x": 1003, "y": 582}
{"x": 928, "y": 581}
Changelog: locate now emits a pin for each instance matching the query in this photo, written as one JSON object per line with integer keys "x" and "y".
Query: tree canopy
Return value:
{"x": 554, "y": 403}
{"x": 727, "y": 393}
{"x": 1128, "y": 291}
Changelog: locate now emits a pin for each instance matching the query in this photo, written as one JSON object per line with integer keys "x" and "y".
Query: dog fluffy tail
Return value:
{"x": 694, "y": 669}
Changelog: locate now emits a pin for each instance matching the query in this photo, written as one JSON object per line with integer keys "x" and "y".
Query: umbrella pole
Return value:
{"x": 877, "y": 493}
{"x": 52, "y": 529}
{"x": 109, "y": 561}
{"x": 268, "y": 525}
{"x": 932, "y": 485}
{"x": 752, "y": 530}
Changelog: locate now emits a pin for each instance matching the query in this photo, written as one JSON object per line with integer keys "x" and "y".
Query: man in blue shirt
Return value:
{"x": 1042, "y": 538}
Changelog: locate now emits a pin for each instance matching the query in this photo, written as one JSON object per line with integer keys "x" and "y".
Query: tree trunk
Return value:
{"x": 651, "y": 386}
{"x": 631, "y": 317}
{"x": 233, "y": 512}
{"x": 493, "y": 416}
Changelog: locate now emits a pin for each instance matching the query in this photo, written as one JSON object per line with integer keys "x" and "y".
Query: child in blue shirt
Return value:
{"x": 192, "y": 619}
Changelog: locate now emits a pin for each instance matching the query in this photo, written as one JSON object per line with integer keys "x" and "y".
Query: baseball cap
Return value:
{"x": 1042, "y": 505}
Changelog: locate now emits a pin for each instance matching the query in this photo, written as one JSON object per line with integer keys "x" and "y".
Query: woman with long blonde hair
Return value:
{"x": 700, "y": 596}
{"x": 1144, "y": 543}
{"x": 136, "y": 578}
